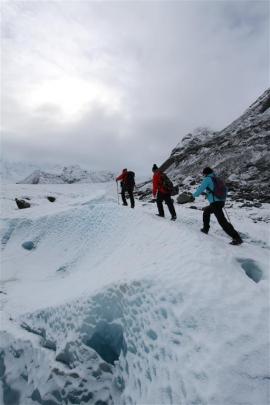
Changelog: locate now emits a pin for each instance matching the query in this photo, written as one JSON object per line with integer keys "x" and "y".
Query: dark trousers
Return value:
{"x": 129, "y": 190}
{"x": 168, "y": 200}
{"x": 216, "y": 209}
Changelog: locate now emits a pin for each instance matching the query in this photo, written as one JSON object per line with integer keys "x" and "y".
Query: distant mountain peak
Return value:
{"x": 199, "y": 135}
{"x": 25, "y": 173}
{"x": 70, "y": 174}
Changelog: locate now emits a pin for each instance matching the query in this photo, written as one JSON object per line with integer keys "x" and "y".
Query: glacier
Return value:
{"x": 101, "y": 304}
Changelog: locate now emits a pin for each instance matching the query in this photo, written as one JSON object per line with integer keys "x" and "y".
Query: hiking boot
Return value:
{"x": 236, "y": 241}
{"x": 159, "y": 215}
{"x": 173, "y": 218}
{"x": 125, "y": 204}
{"x": 203, "y": 230}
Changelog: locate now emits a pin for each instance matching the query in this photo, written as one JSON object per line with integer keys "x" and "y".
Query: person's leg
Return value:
{"x": 169, "y": 201}
{"x": 225, "y": 225}
{"x": 160, "y": 199}
{"x": 206, "y": 218}
{"x": 130, "y": 193}
{"x": 123, "y": 196}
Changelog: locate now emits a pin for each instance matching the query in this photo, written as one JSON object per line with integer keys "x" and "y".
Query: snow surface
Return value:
{"x": 192, "y": 309}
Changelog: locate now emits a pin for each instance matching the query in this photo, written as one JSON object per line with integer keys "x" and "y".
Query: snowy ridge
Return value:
{"x": 199, "y": 135}
{"x": 28, "y": 173}
{"x": 74, "y": 174}
{"x": 183, "y": 330}
{"x": 70, "y": 174}
{"x": 38, "y": 176}
{"x": 11, "y": 172}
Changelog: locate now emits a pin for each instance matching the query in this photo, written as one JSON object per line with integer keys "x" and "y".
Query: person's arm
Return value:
{"x": 206, "y": 183}
{"x": 119, "y": 177}
{"x": 155, "y": 184}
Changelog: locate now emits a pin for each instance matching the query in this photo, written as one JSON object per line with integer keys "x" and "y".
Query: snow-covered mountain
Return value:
{"x": 74, "y": 174}
{"x": 38, "y": 176}
{"x": 69, "y": 174}
{"x": 240, "y": 153}
{"x": 12, "y": 172}
{"x": 30, "y": 173}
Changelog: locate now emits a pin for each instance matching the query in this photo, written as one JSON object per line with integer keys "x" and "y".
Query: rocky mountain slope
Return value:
{"x": 69, "y": 174}
{"x": 240, "y": 153}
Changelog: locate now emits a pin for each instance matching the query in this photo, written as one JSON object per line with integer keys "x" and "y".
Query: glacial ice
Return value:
{"x": 108, "y": 341}
{"x": 251, "y": 269}
{"x": 115, "y": 308}
{"x": 28, "y": 245}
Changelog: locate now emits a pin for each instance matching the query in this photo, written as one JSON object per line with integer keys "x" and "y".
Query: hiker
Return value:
{"x": 127, "y": 182}
{"x": 216, "y": 193}
{"x": 161, "y": 192}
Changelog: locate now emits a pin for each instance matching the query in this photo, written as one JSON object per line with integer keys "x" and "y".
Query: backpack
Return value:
{"x": 130, "y": 179}
{"x": 167, "y": 184}
{"x": 220, "y": 189}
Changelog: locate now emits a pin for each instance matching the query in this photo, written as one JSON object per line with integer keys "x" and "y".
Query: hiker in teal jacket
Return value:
{"x": 215, "y": 207}
{"x": 208, "y": 185}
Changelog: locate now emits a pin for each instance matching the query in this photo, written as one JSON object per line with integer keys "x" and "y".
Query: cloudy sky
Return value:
{"x": 113, "y": 84}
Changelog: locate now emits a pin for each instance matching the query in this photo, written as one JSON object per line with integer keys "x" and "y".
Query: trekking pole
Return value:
{"x": 117, "y": 193}
{"x": 227, "y": 214}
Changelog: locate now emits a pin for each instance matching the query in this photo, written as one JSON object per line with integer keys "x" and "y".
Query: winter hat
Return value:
{"x": 154, "y": 168}
{"x": 207, "y": 170}
{"x": 124, "y": 170}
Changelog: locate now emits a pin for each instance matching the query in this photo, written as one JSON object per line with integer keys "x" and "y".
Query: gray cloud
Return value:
{"x": 115, "y": 84}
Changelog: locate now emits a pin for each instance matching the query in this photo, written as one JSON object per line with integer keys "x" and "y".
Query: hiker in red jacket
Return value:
{"x": 127, "y": 182}
{"x": 161, "y": 193}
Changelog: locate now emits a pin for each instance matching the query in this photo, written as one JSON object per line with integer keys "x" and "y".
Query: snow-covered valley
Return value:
{"x": 101, "y": 304}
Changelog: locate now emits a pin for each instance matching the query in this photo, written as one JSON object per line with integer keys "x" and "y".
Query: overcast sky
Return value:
{"x": 113, "y": 84}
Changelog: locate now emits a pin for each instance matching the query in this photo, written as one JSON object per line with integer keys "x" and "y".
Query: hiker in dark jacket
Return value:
{"x": 127, "y": 182}
{"x": 215, "y": 207}
{"x": 161, "y": 193}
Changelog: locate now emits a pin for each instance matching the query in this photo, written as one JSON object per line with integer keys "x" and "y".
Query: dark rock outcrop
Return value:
{"x": 21, "y": 204}
{"x": 184, "y": 198}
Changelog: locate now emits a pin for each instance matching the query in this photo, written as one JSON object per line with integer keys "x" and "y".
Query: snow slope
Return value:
{"x": 187, "y": 314}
